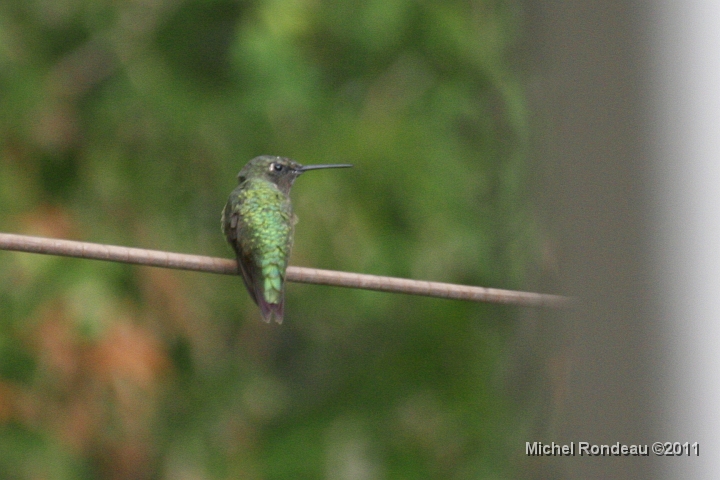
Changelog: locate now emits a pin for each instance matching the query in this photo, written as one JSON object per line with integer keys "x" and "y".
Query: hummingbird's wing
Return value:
{"x": 230, "y": 223}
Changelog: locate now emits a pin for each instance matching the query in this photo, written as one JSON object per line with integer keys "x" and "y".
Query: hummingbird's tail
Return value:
{"x": 271, "y": 311}
{"x": 255, "y": 288}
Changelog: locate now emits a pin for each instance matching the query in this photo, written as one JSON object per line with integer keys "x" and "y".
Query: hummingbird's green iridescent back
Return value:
{"x": 258, "y": 223}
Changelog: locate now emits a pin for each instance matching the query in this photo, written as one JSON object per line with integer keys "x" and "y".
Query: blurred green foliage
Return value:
{"x": 126, "y": 122}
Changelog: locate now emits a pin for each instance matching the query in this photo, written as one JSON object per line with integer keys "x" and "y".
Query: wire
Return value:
{"x": 199, "y": 263}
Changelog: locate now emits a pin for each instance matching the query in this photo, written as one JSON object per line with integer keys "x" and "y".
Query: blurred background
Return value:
{"x": 126, "y": 123}
{"x": 563, "y": 147}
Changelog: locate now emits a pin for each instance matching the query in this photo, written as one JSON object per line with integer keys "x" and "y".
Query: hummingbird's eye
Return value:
{"x": 277, "y": 167}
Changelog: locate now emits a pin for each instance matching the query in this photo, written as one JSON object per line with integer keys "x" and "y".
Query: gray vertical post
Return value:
{"x": 595, "y": 145}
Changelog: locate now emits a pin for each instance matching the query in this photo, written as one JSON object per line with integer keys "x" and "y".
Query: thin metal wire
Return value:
{"x": 199, "y": 263}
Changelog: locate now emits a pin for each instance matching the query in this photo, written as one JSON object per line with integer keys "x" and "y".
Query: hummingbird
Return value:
{"x": 258, "y": 223}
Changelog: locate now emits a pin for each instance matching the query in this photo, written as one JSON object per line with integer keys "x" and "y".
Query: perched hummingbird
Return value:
{"x": 258, "y": 223}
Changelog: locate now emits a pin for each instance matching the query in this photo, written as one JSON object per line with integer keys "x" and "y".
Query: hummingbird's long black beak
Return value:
{"x": 318, "y": 167}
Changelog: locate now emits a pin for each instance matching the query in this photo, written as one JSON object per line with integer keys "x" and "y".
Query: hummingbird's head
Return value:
{"x": 281, "y": 171}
